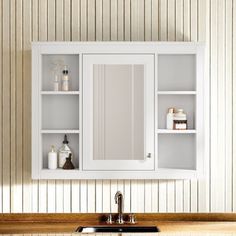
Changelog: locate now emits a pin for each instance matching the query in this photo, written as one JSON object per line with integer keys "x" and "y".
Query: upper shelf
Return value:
{"x": 60, "y": 93}
{"x": 176, "y": 92}
{"x": 177, "y": 72}
{"x": 52, "y": 64}
{"x": 60, "y": 131}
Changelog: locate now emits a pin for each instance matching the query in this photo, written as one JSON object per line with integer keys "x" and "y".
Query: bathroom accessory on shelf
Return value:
{"x": 170, "y": 118}
{"x": 68, "y": 164}
{"x": 64, "y": 152}
{"x": 65, "y": 86}
{"x": 56, "y": 83}
{"x": 56, "y": 70}
{"x": 180, "y": 120}
{"x": 52, "y": 159}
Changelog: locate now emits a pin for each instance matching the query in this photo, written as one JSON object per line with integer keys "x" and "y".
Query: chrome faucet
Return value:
{"x": 120, "y": 201}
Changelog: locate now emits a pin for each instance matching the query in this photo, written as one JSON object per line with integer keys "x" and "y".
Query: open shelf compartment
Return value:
{"x": 177, "y": 151}
{"x": 60, "y": 112}
{"x": 56, "y": 140}
{"x": 176, "y": 72}
{"x": 48, "y": 65}
{"x": 186, "y": 102}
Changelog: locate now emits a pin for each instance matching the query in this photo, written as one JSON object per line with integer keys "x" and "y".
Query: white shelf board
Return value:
{"x": 176, "y": 92}
{"x": 170, "y": 131}
{"x": 59, "y": 174}
{"x": 161, "y": 173}
{"x": 59, "y": 170}
{"x": 60, "y": 93}
{"x": 61, "y": 131}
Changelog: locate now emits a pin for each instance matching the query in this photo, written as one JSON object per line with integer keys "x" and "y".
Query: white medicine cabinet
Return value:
{"x": 114, "y": 112}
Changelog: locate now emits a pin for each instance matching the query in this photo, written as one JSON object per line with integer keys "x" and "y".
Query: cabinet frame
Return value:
{"x": 156, "y": 48}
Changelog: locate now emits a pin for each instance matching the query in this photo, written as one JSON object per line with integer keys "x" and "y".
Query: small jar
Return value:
{"x": 180, "y": 120}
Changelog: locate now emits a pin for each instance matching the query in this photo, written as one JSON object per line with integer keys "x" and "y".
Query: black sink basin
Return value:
{"x": 118, "y": 229}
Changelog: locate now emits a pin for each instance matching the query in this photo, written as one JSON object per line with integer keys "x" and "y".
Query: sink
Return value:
{"x": 118, "y": 229}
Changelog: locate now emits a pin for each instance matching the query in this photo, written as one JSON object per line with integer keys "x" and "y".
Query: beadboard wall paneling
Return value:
{"x": 23, "y": 21}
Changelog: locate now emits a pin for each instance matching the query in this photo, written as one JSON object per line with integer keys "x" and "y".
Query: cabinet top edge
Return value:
{"x": 146, "y": 43}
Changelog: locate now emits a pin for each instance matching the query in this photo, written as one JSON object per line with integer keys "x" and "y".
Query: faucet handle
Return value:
{"x": 109, "y": 219}
{"x": 120, "y": 219}
{"x": 132, "y": 218}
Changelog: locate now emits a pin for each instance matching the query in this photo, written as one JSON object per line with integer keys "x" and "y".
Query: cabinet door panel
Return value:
{"x": 118, "y": 112}
{"x": 118, "y": 96}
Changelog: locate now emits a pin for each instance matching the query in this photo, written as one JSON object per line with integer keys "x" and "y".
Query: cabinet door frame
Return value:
{"x": 148, "y": 60}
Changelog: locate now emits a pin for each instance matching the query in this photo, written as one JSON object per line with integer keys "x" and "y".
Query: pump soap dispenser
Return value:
{"x": 65, "y": 86}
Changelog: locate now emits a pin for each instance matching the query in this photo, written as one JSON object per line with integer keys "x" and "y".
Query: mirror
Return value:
{"x": 118, "y": 112}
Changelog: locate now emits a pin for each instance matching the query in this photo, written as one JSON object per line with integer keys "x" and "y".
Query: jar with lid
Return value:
{"x": 180, "y": 120}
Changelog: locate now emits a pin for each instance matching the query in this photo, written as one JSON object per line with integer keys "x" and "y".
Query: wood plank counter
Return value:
{"x": 167, "y": 222}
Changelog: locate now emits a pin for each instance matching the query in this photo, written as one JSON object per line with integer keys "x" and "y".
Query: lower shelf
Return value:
{"x": 169, "y": 131}
{"x": 55, "y": 131}
{"x": 86, "y": 175}
{"x": 177, "y": 151}
{"x": 59, "y": 170}
{"x": 56, "y": 140}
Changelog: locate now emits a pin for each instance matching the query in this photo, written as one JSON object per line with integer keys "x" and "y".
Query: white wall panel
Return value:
{"x": 182, "y": 20}
{"x": 234, "y": 109}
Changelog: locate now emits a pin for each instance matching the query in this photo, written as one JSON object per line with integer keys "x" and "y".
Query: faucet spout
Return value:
{"x": 119, "y": 200}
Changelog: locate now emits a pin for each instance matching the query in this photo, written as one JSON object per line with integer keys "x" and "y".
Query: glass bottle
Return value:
{"x": 64, "y": 152}
{"x": 56, "y": 70}
{"x": 56, "y": 83}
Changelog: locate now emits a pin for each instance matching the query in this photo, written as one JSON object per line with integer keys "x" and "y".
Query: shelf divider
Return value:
{"x": 66, "y": 131}
{"x": 60, "y": 93}
{"x": 171, "y": 131}
{"x": 176, "y": 92}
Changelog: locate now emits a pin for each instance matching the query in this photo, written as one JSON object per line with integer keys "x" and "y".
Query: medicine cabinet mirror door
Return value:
{"x": 118, "y": 112}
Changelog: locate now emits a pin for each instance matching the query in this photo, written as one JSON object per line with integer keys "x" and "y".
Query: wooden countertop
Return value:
{"x": 167, "y": 223}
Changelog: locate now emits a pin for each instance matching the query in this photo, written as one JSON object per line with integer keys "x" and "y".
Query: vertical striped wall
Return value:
{"x": 22, "y": 21}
